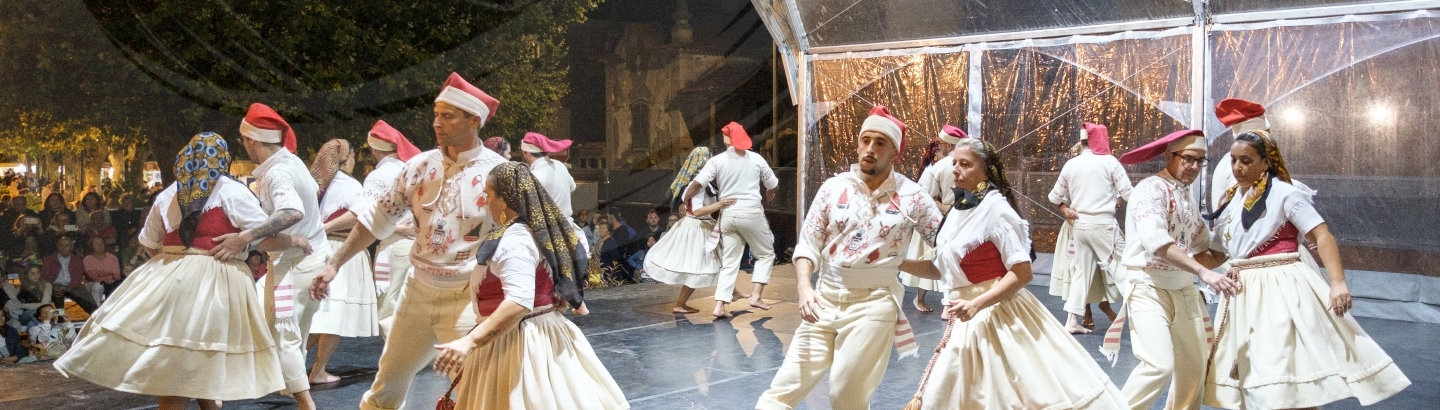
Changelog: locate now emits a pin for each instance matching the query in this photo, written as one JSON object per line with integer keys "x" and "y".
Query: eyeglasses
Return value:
{"x": 1191, "y": 161}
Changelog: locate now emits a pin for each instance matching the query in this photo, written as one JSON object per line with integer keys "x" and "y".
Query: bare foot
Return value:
{"x": 1076, "y": 329}
{"x": 685, "y": 309}
{"x": 920, "y": 305}
{"x": 1088, "y": 323}
{"x": 1105, "y": 307}
{"x": 721, "y": 313}
{"x": 757, "y": 302}
{"x": 286, "y": 394}
{"x": 737, "y": 296}
{"x": 324, "y": 378}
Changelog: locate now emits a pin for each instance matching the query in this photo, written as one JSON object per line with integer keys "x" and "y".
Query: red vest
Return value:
{"x": 1286, "y": 240}
{"x": 213, "y": 223}
{"x": 983, "y": 263}
{"x": 489, "y": 295}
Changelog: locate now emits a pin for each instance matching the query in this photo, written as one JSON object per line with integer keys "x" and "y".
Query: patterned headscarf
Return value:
{"x": 331, "y": 159}
{"x": 687, "y": 171}
{"x": 559, "y": 243}
{"x": 198, "y": 168}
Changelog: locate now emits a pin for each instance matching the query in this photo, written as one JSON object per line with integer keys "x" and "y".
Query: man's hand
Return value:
{"x": 230, "y": 246}
{"x": 809, "y": 304}
{"x": 302, "y": 243}
{"x": 1221, "y": 283}
{"x": 320, "y": 286}
{"x": 1068, "y": 213}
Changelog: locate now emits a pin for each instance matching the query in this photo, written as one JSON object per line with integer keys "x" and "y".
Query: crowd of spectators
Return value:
{"x": 54, "y": 251}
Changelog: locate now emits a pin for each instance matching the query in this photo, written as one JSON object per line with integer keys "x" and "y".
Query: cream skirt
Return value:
{"x": 679, "y": 257}
{"x": 1014, "y": 355}
{"x": 350, "y": 309}
{"x": 181, "y": 325}
{"x": 545, "y": 363}
{"x": 1279, "y": 347}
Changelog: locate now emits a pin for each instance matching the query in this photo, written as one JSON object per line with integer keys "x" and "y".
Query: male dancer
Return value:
{"x": 444, "y": 190}
{"x": 290, "y": 195}
{"x": 739, "y": 174}
{"x": 390, "y": 149}
{"x": 554, "y": 177}
{"x": 1086, "y": 191}
{"x": 1166, "y": 243}
{"x": 855, "y": 235}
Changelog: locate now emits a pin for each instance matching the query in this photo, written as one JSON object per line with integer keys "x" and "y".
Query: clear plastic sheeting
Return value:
{"x": 1237, "y": 6}
{"x": 924, "y": 91}
{"x": 840, "y": 22}
{"x": 1037, "y": 98}
{"x": 1354, "y": 108}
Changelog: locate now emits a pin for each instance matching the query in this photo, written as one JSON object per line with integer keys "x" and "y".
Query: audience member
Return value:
{"x": 126, "y": 219}
{"x": 88, "y": 204}
{"x": 636, "y": 261}
{"x": 51, "y": 336}
{"x": 98, "y": 228}
{"x": 55, "y": 205}
{"x": 27, "y": 298}
{"x": 259, "y": 263}
{"x": 67, "y": 273}
{"x": 612, "y": 259}
{"x": 102, "y": 269}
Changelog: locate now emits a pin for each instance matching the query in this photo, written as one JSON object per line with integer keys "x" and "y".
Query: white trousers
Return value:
{"x": 1088, "y": 281}
{"x": 1167, "y": 334}
{"x": 739, "y": 228}
{"x": 426, "y": 316}
{"x": 399, "y": 265}
{"x": 851, "y": 341}
{"x": 291, "y": 332}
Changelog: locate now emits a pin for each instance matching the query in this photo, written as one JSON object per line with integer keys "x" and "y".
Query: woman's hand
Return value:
{"x": 1339, "y": 298}
{"x": 727, "y": 201}
{"x": 451, "y": 357}
{"x": 962, "y": 309}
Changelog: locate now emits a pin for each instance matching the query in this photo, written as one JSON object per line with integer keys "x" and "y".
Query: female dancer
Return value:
{"x": 186, "y": 324}
{"x": 937, "y": 167}
{"x": 683, "y": 256}
{"x": 1284, "y": 339}
{"x": 1002, "y": 349}
{"x": 524, "y": 354}
{"x": 351, "y": 308}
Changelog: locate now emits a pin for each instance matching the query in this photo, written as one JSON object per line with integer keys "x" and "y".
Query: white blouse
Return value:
{"x": 341, "y": 194}
{"x": 241, "y": 208}
{"x": 1285, "y": 203}
{"x": 514, "y": 264}
{"x": 992, "y": 221}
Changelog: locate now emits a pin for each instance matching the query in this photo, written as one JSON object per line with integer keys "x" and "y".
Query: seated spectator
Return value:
{"x": 55, "y": 205}
{"x": 102, "y": 269}
{"x": 637, "y": 260}
{"x": 86, "y": 207}
{"x": 586, "y": 226}
{"x": 98, "y": 228}
{"x": 126, "y": 219}
{"x": 612, "y": 259}
{"x": 13, "y": 351}
{"x": 652, "y": 227}
{"x": 51, "y": 337}
{"x": 625, "y": 238}
{"x": 26, "y": 299}
{"x": 259, "y": 263}
{"x": 58, "y": 226}
{"x": 67, "y": 275}
{"x": 12, "y": 219}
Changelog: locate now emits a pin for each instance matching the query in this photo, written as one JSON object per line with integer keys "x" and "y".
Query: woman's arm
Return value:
{"x": 452, "y": 355}
{"x": 920, "y": 268}
{"x": 718, "y": 205}
{"x": 1330, "y": 255}
{"x": 343, "y": 223}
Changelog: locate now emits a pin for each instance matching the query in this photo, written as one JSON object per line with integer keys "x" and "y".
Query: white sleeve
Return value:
{"x": 514, "y": 264}
{"x": 381, "y": 207}
{"x": 767, "y": 175}
{"x": 1150, "y": 210}
{"x": 708, "y": 172}
{"x": 1300, "y": 211}
{"x": 1060, "y": 194}
{"x": 241, "y": 206}
{"x": 280, "y": 188}
{"x": 1121, "y": 180}
{"x": 152, "y": 235}
{"x": 813, "y": 229}
{"x": 927, "y": 182}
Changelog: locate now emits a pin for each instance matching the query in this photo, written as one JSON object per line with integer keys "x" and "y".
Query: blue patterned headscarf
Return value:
{"x": 198, "y": 168}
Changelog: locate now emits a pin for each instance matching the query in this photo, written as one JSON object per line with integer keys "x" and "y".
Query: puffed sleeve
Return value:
{"x": 514, "y": 264}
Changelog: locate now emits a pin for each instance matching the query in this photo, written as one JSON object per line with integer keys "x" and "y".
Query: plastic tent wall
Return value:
{"x": 1348, "y": 85}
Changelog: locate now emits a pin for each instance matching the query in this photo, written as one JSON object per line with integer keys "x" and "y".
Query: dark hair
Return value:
{"x": 930, "y": 151}
{"x": 1260, "y": 141}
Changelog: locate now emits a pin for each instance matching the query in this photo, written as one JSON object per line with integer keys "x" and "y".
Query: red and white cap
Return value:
{"x": 1240, "y": 115}
{"x": 462, "y": 95}
{"x": 1176, "y": 141}
{"x": 736, "y": 136}
{"x": 386, "y": 138}
{"x": 536, "y": 143}
{"x": 951, "y": 134}
{"x": 1097, "y": 137}
{"x": 882, "y": 122}
{"x": 261, "y": 123}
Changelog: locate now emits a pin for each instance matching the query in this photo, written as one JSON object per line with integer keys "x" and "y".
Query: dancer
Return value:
{"x": 291, "y": 197}
{"x": 1239, "y": 116}
{"x": 684, "y": 256}
{"x": 1166, "y": 244}
{"x": 524, "y": 354}
{"x": 188, "y": 323}
{"x": 1002, "y": 349}
{"x": 854, "y": 235}
{"x": 499, "y": 145}
{"x": 350, "y": 309}
{"x": 444, "y": 190}
{"x": 1085, "y": 249}
{"x": 535, "y": 150}
{"x": 740, "y": 173}
{"x": 1285, "y": 340}
{"x": 390, "y": 149}
{"x": 937, "y": 182}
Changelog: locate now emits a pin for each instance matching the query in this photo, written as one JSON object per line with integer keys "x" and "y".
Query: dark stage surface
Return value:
{"x": 664, "y": 361}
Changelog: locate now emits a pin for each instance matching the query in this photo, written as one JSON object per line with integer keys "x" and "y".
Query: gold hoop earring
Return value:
{"x": 982, "y": 187}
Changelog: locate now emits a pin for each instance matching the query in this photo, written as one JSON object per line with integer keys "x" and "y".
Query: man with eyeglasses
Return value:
{"x": 1166, "y": 243}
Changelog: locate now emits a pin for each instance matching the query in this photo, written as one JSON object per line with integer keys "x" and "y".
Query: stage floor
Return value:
{"x": 665, "y": 361}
